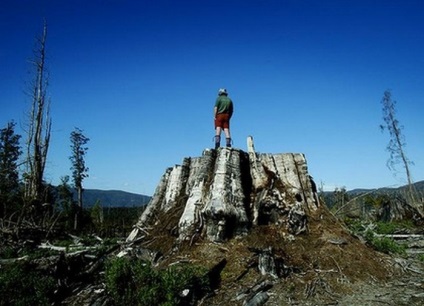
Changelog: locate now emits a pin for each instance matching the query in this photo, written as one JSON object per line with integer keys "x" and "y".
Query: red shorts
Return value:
{"x": 222, "y": 121}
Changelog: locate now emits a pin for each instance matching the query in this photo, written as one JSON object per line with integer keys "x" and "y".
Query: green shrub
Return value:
{"x": 119, "y": 281}
{"x": 176, "y": 279}
{"x": 134, "y": 282}
{"x": 8, "y": 252}
{"x": 384, "y": 244}
{"x": 369, "y": 236}
{"x": 20, "y": 284}
{"x": 388, "y": 246}
{"x": 356, "y": 226}
{"x": 386, "y": 228}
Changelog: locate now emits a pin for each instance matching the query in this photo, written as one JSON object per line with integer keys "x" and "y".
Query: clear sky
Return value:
{"x": 140, "y": 78}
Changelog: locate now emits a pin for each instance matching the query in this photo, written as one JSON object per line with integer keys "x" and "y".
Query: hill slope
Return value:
{"x": 113, "y": 198}
{"x": 419, "y": 187}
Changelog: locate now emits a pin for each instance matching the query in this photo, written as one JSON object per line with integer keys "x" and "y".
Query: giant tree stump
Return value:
{"x": 226, "y": 192}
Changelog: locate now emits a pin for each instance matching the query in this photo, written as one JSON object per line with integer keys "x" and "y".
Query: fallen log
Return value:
{"x": 13, "y": 260}
{"x": 401, "y": 236}
{"x": 79, "y": 247}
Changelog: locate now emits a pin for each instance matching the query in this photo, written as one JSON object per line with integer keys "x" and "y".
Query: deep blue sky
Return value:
{"x": 140, "y": 79}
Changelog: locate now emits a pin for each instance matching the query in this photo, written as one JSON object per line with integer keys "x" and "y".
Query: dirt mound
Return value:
{"x": 322, "y": 266}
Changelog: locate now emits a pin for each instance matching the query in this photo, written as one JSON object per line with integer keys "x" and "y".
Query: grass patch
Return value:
{"x": 134, "y": 282}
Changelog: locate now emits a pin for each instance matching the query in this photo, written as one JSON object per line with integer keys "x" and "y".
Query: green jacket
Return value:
{"x": 224, "y": 105}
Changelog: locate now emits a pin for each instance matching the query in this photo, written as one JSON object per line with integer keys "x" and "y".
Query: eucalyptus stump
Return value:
{"x": 224, "y": 193}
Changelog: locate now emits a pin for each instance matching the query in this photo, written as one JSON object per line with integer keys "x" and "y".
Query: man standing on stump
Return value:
{"x": 223, "y": 112}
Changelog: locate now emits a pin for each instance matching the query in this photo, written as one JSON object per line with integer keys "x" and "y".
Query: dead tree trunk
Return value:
{"x": 79, "y": 170}
{"x": 396, "y": 146}
{"x": 39, "y": 127}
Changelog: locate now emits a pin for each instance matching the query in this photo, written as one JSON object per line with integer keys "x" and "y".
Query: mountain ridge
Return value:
{"x": 112, "y": 198}
{"x": 120, "y": 198}
{"x": 419, "y": 186}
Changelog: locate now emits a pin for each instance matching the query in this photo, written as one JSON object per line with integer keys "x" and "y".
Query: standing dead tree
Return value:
{"x": 79, "y": 170}
{"x": 396, "y": 146}
{"x": 39, "y": 126}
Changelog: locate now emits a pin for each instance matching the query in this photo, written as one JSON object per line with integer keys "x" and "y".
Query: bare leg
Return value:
{"x": 218, "y": 131}
{"x": 227, "y": 133}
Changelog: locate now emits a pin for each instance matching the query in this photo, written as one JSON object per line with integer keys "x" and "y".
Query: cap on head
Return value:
{"x": 222, "y": 91}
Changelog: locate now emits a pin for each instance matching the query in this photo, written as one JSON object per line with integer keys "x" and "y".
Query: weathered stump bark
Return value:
{"x": 225, "y": 192}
